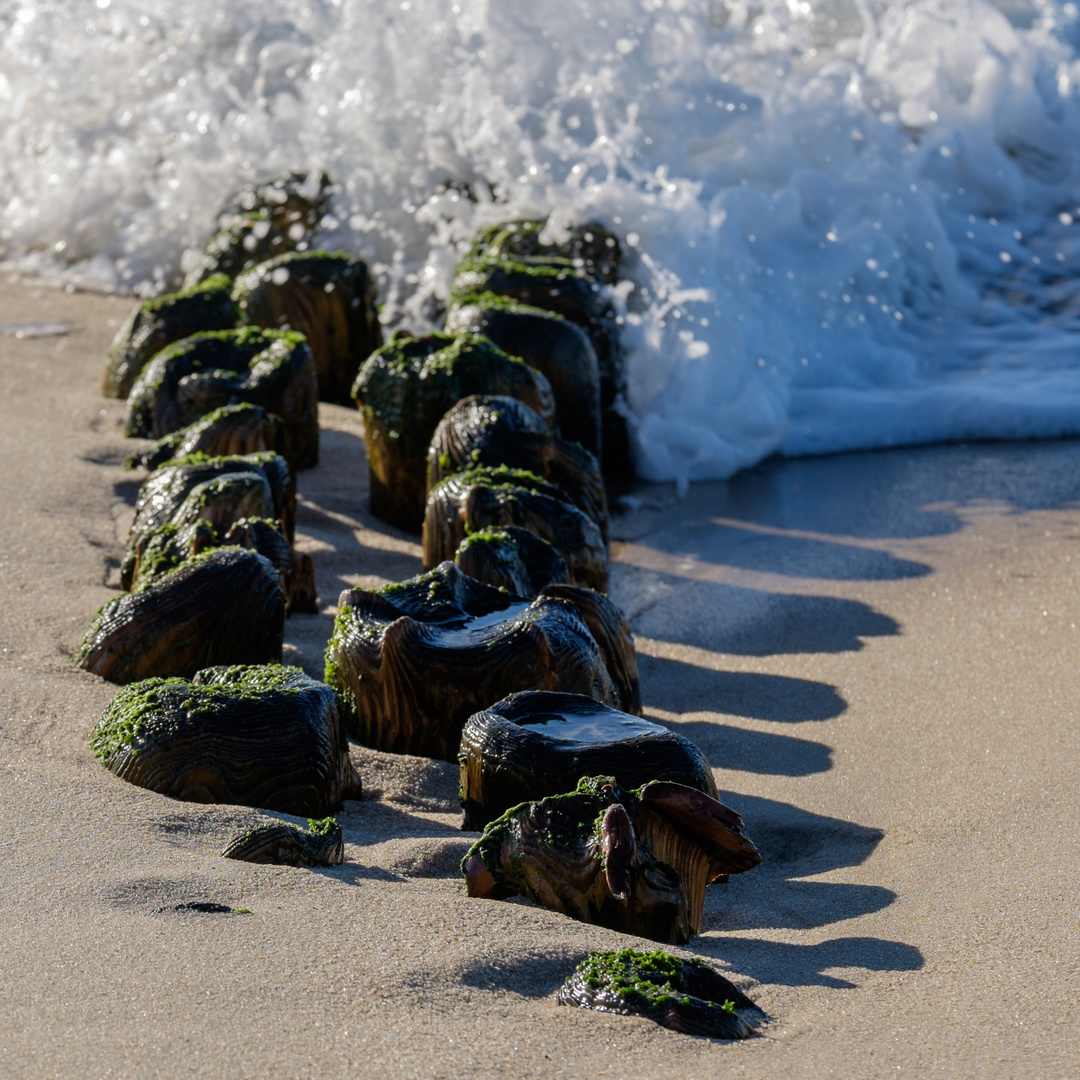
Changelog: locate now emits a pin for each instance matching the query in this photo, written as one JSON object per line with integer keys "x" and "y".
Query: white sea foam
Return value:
{"x": 851, "y": 223}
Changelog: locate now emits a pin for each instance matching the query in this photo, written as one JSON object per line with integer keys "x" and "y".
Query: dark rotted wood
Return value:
{"x": 558, "y": 285}
{"x": 555, "y": 346}
{"x": 495, "y": 498}
{"x": 404, "y": 390}
{"x": 553, "y": 851}
{"x": 610, "y": 629}
{"x": 531, "y": 745}
{"x": 591, "y": 246}
{"x": 222, "y": 607}
{"x": 288, "y": 845}
{"x": 263, "y": 219}
{"x": 490, "y": 430}
{"x": 202, "y": 373}
{"x": 163, "y": 499}
{"x": 414, "y": 661}
{"x": 512, "y": 559}
{"x": 263, "y": 736}
{"x": 156, "y": 323}
{"x": 226, "y": 432}
{"x": 330, "y": 299}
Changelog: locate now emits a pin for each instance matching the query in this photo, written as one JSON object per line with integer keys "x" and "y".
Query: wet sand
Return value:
{"x": 878, "y": 653}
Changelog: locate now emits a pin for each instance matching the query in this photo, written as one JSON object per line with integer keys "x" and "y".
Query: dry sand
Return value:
{"x": 878, "y": 652}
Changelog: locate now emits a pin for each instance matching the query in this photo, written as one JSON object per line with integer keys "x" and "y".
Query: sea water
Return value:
{"x": 848, "y": 223}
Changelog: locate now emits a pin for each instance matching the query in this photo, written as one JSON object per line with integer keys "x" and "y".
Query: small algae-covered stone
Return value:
{"x": 534, "y": 744}
{"x": 405, "y": 389}
{"x": 330, "y": 299}
{"x": 590, "y": 247}
{"x": 415, "y": 660}
{"x": 262, "y": 735}
{"x": 677, "y": 992}
{"x": 634, "y": 861}
{"x": 232, "y": 429}
{"x": 511, "y": 559}
{"x": 320, "y": 844}
{"x": 193, "y": 377}
{"x": 159, "y": 322}
{"x": 557, "y": 285}
{"x": 558, "y": 348}
{"x": 492, "y": 498}
{"x": 162, "y": 501}
{"x": 224, "y": 606}
{"x": 489, "y": 431}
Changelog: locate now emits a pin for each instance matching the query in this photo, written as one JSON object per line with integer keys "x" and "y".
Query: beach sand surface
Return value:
{"x": 877, "y": 652}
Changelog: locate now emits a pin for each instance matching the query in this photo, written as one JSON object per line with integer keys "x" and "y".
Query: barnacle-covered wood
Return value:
{"x": 254, "y": 735}
{"x": 489, "y": 498}
{"x": 163, "y": 499}
{"x": 490, "y": 430}
{"x": 558, "y": 285}
{"x": 511, "y": 559}
{"x": 415, "y": 660}
{"x": 156, "y": 323}
{"x": 193, "y": 377}
{"x": 555, "y": 346}
{"x": 322, "y": 844}
{"x": 591, "y": 246}
{"x": 262, "y": 220}
{"x": 611, "y": 631}
{"x": 224, "y": 606}
{"x": 330, "y": 299}
{"x": 405, "y": 389}
{"x": 230, "y": 430}
{"x": 633, "y": 861}
{"x": 676, "y": 992}
{"x": 531, "y": 745}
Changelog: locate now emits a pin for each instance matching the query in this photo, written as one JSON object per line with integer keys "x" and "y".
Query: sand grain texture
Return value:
{"x": 878, "y": 653}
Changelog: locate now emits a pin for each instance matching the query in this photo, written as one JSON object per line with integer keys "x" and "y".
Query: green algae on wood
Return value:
{"x": 262, "y": 220}
{"x": 279, "y": 843}
{"x": 512, "y": 559}
{"x": 634, "y": 861}
{"x": 535, "y": 744}
{"x": 257, "y": 736}
{"x": 229, "y": 430}
{"x": 327, "y": 297}
{"x": 555, "y": 346}
{"x": 156, "y": 323}
{"x": 413, "y": 661}
{"x": 405, "y": 388}
{"x": 681, "y": 993}
{"x": 491, "y": 498}
{"x": 487, "y": 430}
{"x": 204, "y": 372}
{"x": 163, "y": 500}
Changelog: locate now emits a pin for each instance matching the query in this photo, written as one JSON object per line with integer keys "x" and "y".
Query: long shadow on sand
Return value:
{"x": 806, "y": 965}
{"x": 729, "y": 747}
{"x": 746, "y": 622}
{"x": 793, "y": 556}
{"x": 881, "y": 494}
{"x": 689, "y": 688}
{"x": 794, "y": 844}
